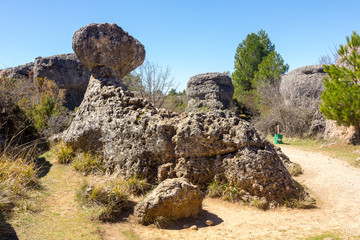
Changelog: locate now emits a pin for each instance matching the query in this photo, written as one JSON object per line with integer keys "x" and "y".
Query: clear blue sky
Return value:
{"x": 189, "y": 36}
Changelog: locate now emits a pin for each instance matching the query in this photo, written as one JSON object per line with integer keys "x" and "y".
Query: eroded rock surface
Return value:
{"x": 107, "y": 50}
{"x": 303, "y": 86}
{"x": 201, "y": 146}
{"x": 68, "y": 73}
{"x": 211, "y": 90}
{"x": 65, "y": 70}
{"x": 172, "y": 199}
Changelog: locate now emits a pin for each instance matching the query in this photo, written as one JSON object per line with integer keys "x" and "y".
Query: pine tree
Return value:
{"x": 341, "y": 97}
{"x": 249, "y": 55}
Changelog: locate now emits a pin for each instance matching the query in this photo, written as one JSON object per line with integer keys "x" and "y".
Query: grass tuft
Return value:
{"x": 109, "y": 198}
{"x": 88, "y": 163}
{"x": 63, "y": 153}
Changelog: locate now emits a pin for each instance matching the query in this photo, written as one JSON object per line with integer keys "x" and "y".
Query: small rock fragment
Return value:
{"x": 193, "y": 227}
{"x": 209, "y": 222}
{"x": 186, "y": 226}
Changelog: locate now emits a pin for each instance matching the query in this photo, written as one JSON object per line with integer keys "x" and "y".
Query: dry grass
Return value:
{"x": 63, "y": 153}
{"x": 17, "y": 179}
{"x": 88, "y": 163}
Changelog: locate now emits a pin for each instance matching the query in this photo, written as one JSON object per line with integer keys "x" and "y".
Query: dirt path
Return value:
{"x": 334, "y": 184}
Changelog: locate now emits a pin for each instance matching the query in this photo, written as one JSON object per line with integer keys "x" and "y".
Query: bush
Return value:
{"x": 88, "y": 163}
{"x": 109, "y": 198}
{"x": 17, "y": 179}
{"x": 63, "y": 153}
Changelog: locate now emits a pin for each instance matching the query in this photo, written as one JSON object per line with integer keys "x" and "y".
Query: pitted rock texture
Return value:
{"x": 173, "y": 199}
{"x": 303, "y": 86}
{"x": 107, "y": 50}
{"x": 137, "y": 139}
{"x": 211, "y": 90}
{"x": 68, "y": 73}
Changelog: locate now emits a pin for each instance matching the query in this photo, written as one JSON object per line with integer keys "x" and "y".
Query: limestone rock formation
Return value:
{"x": 19, "y": 72}
{"x": 173, "y": 199}
{"x": 65, "y": 70}
{"x": 303, "y": 86}
{"x": 107, "y": 50}
{"x": 68, "y": 73}
{"x": 138, "y": 139}
{"x": 211, "y": 90}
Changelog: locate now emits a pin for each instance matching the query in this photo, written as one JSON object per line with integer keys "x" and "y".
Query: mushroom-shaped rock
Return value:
{"x": 212, "y": 90}
{"x": 173, "y": 199}
{"x": 107, "y": 50}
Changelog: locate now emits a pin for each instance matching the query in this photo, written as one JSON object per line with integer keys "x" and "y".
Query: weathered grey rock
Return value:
{"x": 211, "y": 90}
{"x": 20, "y": 72}
{"x": 107, "y": 50}
{"x": 68, "y": 73}
{"x": 303, "y": 86}
{"x": 137, "y": 139}
{"x": 172, "y": 199}
{"x": 65, "y": 70}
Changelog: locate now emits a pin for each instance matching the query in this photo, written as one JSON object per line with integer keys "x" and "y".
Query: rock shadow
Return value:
{"x": 199, "y": 221}
{"x": 42, "y": 167}
{"x": 7, "y": 232}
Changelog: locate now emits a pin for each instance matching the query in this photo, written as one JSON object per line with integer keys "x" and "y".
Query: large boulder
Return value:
{"x": 68, "y": 74}
{"x": 303, "y": 86}
{"x": 173, "y": 199}
{"x": 107, "y": 50}
{"x": 137, "y": 139}
{"x": 65, "y": 70}
{"x": 211, "y": 90}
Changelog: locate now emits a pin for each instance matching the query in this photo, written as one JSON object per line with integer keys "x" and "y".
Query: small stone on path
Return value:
{"x": 193, "y": 227}
{"x": 209, "y": 222}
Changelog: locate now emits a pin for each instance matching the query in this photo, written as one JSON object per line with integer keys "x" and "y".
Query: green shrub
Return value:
{"x": 88, "y": 163}
{"x": 63, "y": 153}
{"x": 215, "y": 190}
{"x": 108, "y": 198}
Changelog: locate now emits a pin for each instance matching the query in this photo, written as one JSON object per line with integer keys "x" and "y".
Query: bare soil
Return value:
{"x": 334, "y": 184}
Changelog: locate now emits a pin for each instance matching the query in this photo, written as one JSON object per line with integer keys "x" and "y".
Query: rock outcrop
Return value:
{"x": 138, "y": 139}
{"x": 303, "y": 86}
{"x": 65, "y": 70}
{"x": 107, "y": 50}
{"x": 210, "y": 90}
{"x": 173, "y": 199}
{"x": 19, "y": 72}
{"x": 68, "y": 73}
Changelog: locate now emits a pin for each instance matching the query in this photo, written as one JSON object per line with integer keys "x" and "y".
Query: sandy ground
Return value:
{"x": 334, "y": 184}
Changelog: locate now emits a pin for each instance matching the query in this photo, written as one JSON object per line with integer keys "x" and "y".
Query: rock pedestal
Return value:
{"x": 137, "y": 139}
{"x": 210, "y": 90}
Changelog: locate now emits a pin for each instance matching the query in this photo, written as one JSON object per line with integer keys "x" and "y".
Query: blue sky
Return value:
{"x": 190, "y": 37}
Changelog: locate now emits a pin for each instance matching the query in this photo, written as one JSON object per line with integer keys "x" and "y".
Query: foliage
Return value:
{"x": 249, "y": 55}
{"x": 88, "y": 163}
{"x": 63, "y": 153}
{"x": 340, "y": 100}
{"x": 110, "y": 198}
{"x": 17, "y": 178}
{"x": 256, "y": 64}
{"x": 27, "y": 105}
{"x": 137, "y": 186}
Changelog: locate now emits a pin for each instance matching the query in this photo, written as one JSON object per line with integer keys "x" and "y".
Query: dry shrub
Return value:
{"x": 17, "y": 178}
{"x": 109, "y": 198}
{"x": 294, "y": 121}
{"x": 88, "y": 163}
{"x": 63, "y": 153}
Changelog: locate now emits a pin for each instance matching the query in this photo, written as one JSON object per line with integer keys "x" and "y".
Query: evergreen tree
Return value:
{"x": 249, "y": 55}
{"x": 270, "y": 70}
{"x": 341, "y": 97}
